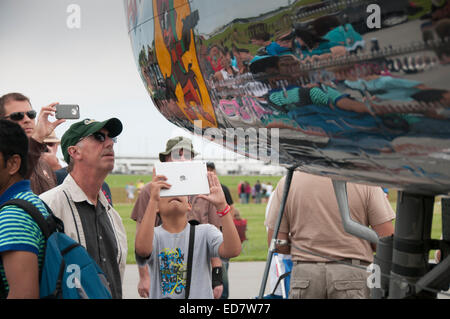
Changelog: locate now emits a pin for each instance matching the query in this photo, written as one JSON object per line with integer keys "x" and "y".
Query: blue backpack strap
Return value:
{"x": 46, "y": 225}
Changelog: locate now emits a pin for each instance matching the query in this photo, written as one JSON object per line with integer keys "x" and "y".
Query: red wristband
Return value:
{"x": 224, "y": 212}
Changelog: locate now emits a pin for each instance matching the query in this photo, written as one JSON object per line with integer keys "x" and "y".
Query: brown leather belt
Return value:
{"x": 345, "y": 260}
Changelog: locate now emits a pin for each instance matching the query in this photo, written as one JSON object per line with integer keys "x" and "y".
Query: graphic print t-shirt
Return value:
{"x": 168, "y": 262}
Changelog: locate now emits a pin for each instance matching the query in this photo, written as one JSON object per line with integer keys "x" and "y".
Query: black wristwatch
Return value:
{"x": 217, "y": 279}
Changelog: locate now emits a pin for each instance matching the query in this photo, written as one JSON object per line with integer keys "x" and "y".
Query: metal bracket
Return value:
{"x": 350, "y": 226}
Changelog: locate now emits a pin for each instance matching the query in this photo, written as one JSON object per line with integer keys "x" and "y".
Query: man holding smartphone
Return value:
{"x": 16, "y": 107}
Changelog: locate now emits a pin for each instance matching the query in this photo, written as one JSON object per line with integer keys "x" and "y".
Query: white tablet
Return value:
{"x": 186, "y": 178}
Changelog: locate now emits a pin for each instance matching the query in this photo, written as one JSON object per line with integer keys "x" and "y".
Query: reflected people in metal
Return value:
{"x": 357, "y": 90}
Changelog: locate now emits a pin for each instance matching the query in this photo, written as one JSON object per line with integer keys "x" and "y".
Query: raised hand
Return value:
{"x": 158, "y": 183}
{"x": 216, "y": 195}
{"x": 43, "y": 126}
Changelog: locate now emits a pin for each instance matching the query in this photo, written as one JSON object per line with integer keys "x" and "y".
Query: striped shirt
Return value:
{"x": 18, "y": 230}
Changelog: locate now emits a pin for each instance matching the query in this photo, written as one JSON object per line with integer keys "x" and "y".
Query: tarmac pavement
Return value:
{"x": 244, "y": 277}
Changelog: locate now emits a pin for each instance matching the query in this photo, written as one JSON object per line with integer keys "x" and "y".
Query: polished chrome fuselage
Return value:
{"x": 353, "y": 90}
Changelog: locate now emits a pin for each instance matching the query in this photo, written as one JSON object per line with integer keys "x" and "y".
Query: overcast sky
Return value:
{"x": 92, "y": 66}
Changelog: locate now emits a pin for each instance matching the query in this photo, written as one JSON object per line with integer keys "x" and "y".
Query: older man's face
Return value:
{"x": 97, "y": 150}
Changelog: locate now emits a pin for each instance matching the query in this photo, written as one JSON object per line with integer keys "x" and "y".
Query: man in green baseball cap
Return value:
{"x": 88, "y": 217}
{"x": 85, "y": 128}
{"x": 174, "y": 147}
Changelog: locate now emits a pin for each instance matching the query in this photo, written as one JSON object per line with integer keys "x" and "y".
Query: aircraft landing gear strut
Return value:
{"x": 403, "y": 258}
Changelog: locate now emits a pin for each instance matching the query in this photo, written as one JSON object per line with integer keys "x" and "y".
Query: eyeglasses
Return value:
{"x": 100, "y": 137}
{"x": 18, "y": 116}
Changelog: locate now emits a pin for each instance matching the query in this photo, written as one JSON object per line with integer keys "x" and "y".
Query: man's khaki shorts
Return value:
{"x": 328, "y": 281}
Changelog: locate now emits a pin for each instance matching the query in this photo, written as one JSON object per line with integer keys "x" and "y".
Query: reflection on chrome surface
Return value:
{"x": 355, "y": 93}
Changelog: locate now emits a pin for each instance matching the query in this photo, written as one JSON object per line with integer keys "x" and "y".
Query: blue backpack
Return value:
{"x": 68, "y": 272}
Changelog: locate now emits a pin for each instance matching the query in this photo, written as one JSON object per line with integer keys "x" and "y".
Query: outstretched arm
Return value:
{"x": 145, "y": 231}
{"x": 144, "y": 276}
{"x": 231, "y": 246}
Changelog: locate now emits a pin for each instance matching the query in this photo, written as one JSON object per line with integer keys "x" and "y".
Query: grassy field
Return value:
{"x": 255, "y": 248}
{"x": 117, "y": 183}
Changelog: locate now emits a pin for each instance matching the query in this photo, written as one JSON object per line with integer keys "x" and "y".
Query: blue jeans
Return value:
{"x": 226, "y": 287}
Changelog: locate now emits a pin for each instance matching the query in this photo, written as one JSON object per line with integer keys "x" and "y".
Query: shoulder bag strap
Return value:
{"x": 34, "y": 212}
{"x": 189, "y": 262}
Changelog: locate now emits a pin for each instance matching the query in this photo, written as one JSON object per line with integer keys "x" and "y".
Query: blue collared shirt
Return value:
{"x": 19, "y": 187}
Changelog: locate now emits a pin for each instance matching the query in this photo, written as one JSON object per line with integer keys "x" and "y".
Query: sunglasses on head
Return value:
{"x": 100, "y": 137}
{"x": 18, "y": 116}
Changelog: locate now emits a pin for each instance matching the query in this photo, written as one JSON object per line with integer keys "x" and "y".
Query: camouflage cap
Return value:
{"x": 177, "y": 143}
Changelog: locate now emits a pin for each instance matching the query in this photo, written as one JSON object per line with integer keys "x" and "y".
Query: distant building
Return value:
{"x": 144, "y": 166}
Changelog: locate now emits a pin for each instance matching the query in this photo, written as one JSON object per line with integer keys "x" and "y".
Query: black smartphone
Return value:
{"x": 67, "y": 111}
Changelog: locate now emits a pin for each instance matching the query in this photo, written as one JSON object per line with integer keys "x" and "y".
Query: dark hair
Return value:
{"x": 11, "y": 97}
{"x": 323, "y": 25}
{"x": 13, "y": 140}
{"x": 309, "y": 37}
{"x": 210, "y": 165}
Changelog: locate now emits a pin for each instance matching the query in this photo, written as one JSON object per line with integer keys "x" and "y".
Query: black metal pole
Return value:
{"x": 287, "y": 186}
{"x": 383, "y": 258}
{"x": 410, "y": 255}
{"x": 439, "y": 277}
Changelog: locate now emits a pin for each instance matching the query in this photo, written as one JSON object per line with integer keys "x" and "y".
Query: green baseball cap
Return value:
{"x": 176, "y": 143}
{"x": 85, "y": 128}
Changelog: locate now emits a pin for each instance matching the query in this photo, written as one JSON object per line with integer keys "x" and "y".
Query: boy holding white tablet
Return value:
{"x": 165, "y": 248}
{"x": 179, "y": 149}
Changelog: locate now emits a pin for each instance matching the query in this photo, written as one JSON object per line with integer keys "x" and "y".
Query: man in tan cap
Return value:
{"x": 50, "y": 157}
{"x": 178, "y": 149}
{"x": 175, "y": 150}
